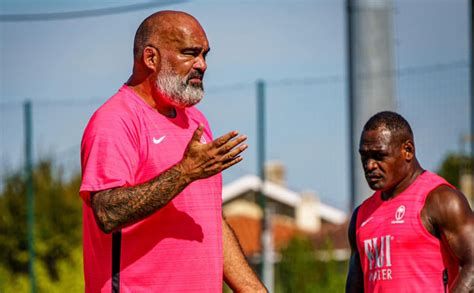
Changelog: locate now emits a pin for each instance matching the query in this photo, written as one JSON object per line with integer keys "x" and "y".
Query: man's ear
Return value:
{"x": 151, "y": 58}
{"x": 408, "y": 150}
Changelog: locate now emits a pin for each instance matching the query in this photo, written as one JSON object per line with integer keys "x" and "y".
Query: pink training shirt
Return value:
{"x": 396, "y": 251}
{"x": 178, "y": 248}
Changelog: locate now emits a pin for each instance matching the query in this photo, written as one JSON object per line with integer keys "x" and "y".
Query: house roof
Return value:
{"x": 331, "y": 242}
{"x": 248, "y": 231}
{"x": 336, "y": 234}
{"x": 278, "y": 193}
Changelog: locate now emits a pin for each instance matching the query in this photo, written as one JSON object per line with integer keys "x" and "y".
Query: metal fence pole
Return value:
{"x": 350, "y": 103}
{"x": 30, "y": 193}
{"x": 471, "y": 42}
{"x": 263, "y": 265}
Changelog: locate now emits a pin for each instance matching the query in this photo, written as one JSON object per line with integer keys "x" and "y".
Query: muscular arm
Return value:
{"x": 451, "y": 218}
{"x": 355, "y": 276}
{"x": 237, "y": 273}
{"x": 119, "y": 207}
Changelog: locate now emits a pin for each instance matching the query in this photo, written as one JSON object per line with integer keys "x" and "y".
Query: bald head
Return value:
{"x": 162, "y": 28}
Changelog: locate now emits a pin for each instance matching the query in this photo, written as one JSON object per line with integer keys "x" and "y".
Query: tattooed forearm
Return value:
{"x": 119, "y": 207}
{"x": 115, "y": 208}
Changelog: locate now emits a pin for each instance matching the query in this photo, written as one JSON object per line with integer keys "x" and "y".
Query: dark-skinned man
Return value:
{"x": 151, "y": 180}
{"x": 416, "y": 232}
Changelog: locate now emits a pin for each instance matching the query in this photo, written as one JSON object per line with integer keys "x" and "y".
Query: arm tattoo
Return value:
{"x": 115, "y": 208}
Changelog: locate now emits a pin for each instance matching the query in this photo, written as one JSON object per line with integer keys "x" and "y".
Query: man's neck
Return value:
{"x": 404, "y": 184}
{"x": 148, "y": 94}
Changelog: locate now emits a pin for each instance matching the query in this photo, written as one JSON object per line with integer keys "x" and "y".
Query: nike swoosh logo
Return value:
{"x": 366, "y": 221}
{"x": 157, "y": 141}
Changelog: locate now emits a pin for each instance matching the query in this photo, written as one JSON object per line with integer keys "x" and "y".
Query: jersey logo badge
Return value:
{"x": 399, "y": 213}
{"x": 157, "y": 141}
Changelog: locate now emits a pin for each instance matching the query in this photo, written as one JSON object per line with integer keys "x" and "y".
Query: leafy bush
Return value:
{"x": 57, "y": 232}
{"x": 300, "y": 271}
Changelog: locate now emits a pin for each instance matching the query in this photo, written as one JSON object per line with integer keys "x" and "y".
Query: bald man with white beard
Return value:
{"x": 151, "y": 182}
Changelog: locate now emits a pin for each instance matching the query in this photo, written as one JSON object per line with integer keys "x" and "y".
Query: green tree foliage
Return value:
{"x": 453, "y": 165}
{"x": 69, "y": 272}
{"x": 57, "y": 229}
{"x": 301, "y": 271}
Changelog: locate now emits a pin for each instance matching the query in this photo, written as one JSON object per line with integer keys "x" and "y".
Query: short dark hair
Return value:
{"x": 156, "y": 27}
{"x": 394, "y": 122}
{"x": 142, "y": 36}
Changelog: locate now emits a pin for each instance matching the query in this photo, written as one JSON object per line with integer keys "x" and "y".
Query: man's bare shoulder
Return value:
{"x": 446, "y": 197}
{"x": 447, "y": 206}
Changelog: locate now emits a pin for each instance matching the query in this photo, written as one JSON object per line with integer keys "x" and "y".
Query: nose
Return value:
{"x": 369, "y": 165}
{"x": 200, "y": 63}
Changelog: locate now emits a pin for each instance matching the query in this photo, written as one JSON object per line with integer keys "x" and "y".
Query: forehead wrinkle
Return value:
{"x": 384, "y": 136}
{"x": 171, "y": 37}
{"x": 379, "y": 139}
{"x": 188, "y": 32}
{"x": 373, "y": 147}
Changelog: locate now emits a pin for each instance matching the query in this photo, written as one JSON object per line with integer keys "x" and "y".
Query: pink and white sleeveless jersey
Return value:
{"x": 396, "y": 251}
{"x": 178, "y": 248}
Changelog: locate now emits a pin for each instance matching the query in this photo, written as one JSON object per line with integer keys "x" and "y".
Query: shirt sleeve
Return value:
{"x": 109, "y": 152}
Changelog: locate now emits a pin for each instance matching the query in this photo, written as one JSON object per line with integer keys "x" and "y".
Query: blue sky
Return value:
{"x": 69, "y": 67}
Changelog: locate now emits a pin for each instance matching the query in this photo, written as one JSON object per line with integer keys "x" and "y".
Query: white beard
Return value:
{"x": 177, "y": 90}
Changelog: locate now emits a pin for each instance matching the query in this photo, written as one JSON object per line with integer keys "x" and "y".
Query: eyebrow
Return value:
{"x": 378, "y": 150}
{"x": 196, "y": 48}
